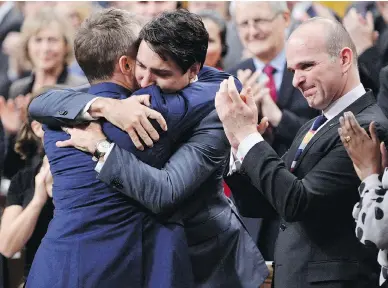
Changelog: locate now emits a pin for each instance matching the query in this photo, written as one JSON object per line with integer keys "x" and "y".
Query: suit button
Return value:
{"x": 63, "y": 113}
{"x": 116, "y": 182}
{"x": 283, "y": 227}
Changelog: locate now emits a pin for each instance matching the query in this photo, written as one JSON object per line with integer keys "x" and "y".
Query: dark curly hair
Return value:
{"x": 179, "y": 36}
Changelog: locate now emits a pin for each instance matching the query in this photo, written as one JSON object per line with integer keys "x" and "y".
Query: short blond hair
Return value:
{"x": 33, "y": 24}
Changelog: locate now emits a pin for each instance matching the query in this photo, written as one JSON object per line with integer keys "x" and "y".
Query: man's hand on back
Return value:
{"x": 83, "y": 137}
{"x": 131, "y": 115}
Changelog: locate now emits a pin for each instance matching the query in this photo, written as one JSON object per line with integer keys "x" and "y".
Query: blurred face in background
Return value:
{"x": 32, "y": 7}
{"x": 220, "y": 6}
{"x": 151, "y": 9}
{"x": 75, "y": 12}
{"x": 262, "y": 32}
{"x": 47, "y": 50}
{"x": 214, "y": 50}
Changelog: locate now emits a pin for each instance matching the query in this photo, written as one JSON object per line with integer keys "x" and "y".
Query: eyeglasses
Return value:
{"x": 258, "y": 21}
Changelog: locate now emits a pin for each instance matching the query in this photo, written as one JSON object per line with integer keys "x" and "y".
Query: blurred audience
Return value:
{"x": 29, "y": 207}
{"x": 76, "y": 13}
{"x": 11, "y": 20}
{"x": 217, "y": 48}
{"x": 46, "y": 48}
{"x": 151, "y": 9}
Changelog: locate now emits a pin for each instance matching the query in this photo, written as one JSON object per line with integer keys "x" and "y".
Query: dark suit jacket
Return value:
{"x": 317, "y": 244}
{"x": 296, "y": 112}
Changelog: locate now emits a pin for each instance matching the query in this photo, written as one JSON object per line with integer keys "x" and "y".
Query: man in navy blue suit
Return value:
{"x": 221, "y": 251}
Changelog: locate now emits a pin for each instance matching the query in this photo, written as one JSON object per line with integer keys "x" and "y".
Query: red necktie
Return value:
{"x": 269, "y": 70}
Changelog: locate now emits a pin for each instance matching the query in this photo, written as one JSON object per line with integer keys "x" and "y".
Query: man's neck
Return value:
{"x": 121, "y": 83}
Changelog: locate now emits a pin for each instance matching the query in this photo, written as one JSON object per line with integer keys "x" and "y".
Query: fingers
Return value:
{"x": 263, "y": 125}
{"x": 243, "y": 75}
{"x": 156, "y": 116}
{"x": 223, "y": 87}
{"x": 151, "y": 131}
{"x": 342, "y": 137}
{"x": 141, "y": 132}
{"x": 135, "y": 139}
{"x": 66, "y": 143}
{"x": 369, "y": 19}
{"x": 356, "y": 128}
{"x": 232, "y": 91}
{"x": 373, "y": 132}
{"x": 143, "y": 99}
{"x": 250, "y": 100}
{"x": 384, "y": 155}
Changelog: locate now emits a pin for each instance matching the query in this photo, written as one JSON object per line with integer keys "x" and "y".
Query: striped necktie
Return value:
{"x": 317, "y": 123}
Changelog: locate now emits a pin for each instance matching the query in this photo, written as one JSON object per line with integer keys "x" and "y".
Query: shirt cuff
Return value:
{"x": 247, "y": 144}
{"x": 84, "y": 114}
{"x": 234, "y": 163}
{"x": 101, "y": 163}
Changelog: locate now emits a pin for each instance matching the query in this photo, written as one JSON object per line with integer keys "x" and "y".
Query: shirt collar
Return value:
{"x": 278, "y": 62}
{"x": 345, "y": 101}
{"x": 102, "y": 88}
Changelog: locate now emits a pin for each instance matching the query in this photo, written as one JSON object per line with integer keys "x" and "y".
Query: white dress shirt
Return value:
{"x": 330, "y": 112}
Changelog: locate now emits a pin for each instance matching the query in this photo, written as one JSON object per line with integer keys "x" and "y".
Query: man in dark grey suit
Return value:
{"x": 262, "y": 29}
{"x": 188, "y": 190}
{"x": 313, "y": 188}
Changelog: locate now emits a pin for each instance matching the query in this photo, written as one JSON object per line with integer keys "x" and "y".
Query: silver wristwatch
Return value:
{"x": 102, "y": 147}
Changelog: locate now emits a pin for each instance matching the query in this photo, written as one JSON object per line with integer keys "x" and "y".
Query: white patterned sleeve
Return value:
{"x": 371, "y": 212}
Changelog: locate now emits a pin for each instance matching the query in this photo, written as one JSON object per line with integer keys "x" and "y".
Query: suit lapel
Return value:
{"x": 250, "y": 65}
{"x": 286, "y": 89}
{"x": 365, "y": 101}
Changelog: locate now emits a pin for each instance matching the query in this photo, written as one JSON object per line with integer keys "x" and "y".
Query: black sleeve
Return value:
{"x": 17, "y": 188}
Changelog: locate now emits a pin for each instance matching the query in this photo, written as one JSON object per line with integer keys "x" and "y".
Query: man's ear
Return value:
{"x": 194, "y": 70}
{"x": 124, "y": 65}
{"x": 346, "y": 55}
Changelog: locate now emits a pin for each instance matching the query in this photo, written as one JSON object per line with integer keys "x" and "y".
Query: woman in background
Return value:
{"x": 217, "y": 48}
{"x": 47, "y": 48}
{"x": 29, "y": 207}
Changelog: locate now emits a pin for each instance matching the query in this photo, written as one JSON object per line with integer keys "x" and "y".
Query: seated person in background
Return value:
{"x": 29, "y": 207}
{"x": 370, "y": 160}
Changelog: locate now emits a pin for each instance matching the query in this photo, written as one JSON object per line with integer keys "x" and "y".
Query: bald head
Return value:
{"x": 335, "y": 35}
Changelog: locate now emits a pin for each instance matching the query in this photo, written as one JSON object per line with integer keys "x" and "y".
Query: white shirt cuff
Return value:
{"x": 101, "y": 163}
{"x": 234, "y": 163}
{"x": 84, "y": 114}
{"x": 247, "y": 144}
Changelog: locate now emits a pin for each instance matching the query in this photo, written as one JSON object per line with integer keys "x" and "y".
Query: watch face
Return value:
{"x": 103, "y": 146}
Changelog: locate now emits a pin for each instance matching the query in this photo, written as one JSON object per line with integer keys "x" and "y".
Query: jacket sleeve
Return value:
{"x": 371, "y": 211}
{"x": 296, "y": 199}
{"x": 162, "y": 190}
{"x": 59, "y": 107}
